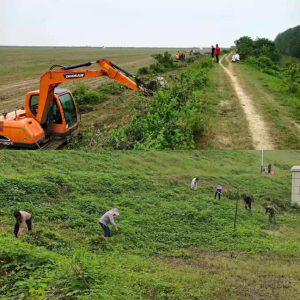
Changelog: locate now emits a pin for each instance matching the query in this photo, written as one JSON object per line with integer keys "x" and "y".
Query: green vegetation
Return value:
{"x": 265, "y": 64}
{"x": 83, "y": 95}
{"x": 288, "y": 42}
{"x": 168, "y": 120}
{"x": 246, "y": 47}
{"x": 263, "y": 55}
{"x": 166, "y": 230}
{"x": 163, "y": 63}
{"x": 225, "y": 51}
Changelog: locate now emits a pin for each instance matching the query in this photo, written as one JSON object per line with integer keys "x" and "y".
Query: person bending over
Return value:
{"x": 248, "y": 201}
{"x": 22, "y": 217}
{"x": 271, "y": 211}
{"x": 194, "y": 184}
{"x": 108, "y": 218}
{"x": 218, "y": 192}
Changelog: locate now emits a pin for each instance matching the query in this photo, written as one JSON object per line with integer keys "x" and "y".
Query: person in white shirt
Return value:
{"x": 108, "y": 218}
{"x": 22, "y": 217}
{"x": 194, "y": 184}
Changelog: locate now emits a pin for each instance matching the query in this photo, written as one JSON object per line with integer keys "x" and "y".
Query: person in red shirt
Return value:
{"x": 218, "y": 51}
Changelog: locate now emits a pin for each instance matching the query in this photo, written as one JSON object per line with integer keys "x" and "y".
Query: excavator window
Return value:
{"x": 57, "y": 119}
{"x": 33, "y": 104}
{"x": 69, "y": 109}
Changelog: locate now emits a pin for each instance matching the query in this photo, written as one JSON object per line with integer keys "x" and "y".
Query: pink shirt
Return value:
{"x": 25, "y": 216}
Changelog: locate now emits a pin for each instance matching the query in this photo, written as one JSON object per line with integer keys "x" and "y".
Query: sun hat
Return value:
{"x": 114, "y": 211}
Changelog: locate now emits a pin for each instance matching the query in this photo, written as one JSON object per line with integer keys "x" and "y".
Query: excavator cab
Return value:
{"x": 64, "y": 111}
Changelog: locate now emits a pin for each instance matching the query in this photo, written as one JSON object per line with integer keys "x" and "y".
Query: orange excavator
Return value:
{"x": 52, "y": 111}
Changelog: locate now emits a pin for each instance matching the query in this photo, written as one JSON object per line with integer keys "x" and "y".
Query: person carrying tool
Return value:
{"x": 218, "y": 192}
{"x": 218, "y": 51}
{"x": 248, "y": 201}
{"x": 108, "y": 218}
{"x": 194, "y": 184}
{"x": 22, "y": 217}
{"x": 272, "y": 211}
{"x": 213, "y": 49}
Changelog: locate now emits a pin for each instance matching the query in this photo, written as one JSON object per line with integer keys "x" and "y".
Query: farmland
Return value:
{"x": 173, "y": 243}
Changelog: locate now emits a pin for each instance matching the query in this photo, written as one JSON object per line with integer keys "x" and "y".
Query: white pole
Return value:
{"x": 262, "y": 161}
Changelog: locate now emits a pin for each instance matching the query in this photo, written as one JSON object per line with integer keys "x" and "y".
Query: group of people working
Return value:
{"x": 23, "y": 217}
{"x": 215, "y": 51}
{"x": 248, "y": 199}
{"x": 194, "y": 185}
{"x": 107, "y": 219}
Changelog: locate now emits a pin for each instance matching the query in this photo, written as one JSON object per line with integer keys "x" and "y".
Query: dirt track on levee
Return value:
{"x": 258, "y": 128}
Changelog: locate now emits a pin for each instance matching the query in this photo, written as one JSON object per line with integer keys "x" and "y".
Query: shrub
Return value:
{"x": 157, "y": 68}
{"x": 165, "y": 60}
{"x": 206, "y": 63}
{"x": 265, "y": 65}
{"x": 143, "y": 71}
{"x": 83, "y": 95}
{"x": 225, "y": 51}
{"x": 171, "y": 118}
{"x": 113, "y": 89}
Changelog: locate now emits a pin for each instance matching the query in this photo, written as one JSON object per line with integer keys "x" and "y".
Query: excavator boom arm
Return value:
{"x": 53, "y": 78}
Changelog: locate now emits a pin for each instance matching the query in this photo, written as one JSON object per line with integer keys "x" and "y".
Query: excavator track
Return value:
{"x": 54, "y": 144}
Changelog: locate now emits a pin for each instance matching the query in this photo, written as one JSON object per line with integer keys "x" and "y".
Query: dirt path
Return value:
{"x": 257, "y": 126}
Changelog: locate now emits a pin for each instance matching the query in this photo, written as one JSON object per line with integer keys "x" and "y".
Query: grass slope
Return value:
{"x": 172, "y": 240}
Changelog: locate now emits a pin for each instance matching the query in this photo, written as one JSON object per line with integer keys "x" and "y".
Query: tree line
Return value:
{"x": 288, "y": 42}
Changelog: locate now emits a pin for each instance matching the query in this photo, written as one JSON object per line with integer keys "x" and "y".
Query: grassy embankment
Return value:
{"x": 173, "y": 243}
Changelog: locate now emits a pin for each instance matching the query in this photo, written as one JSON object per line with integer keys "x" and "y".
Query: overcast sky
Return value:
{"x": 142, "y": 23}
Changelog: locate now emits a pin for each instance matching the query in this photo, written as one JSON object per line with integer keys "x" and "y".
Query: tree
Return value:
{"x": 244, "y": 46}
{"x": 288, "y": 42}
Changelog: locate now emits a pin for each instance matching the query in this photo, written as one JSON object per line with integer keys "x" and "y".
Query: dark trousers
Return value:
{"x": 17, "y": 227}
{"x": 248, "y": 205}
{"x": 106, "y": 230}
{"x": 218, "y": 193}
{"x": 217, "y": 56}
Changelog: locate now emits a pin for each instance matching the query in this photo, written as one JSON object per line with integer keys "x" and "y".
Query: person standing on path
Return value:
{"x": 108, "y": 218}
{"x": 218, "y": 51}
{"x": 248, "y": 201}
{"x": 272, "y": 211}
{"x": 213, "y": 49}
{"x": 194, "y": 184}
{"x": 218, "y": 192}
{"x": 22, "y": 217}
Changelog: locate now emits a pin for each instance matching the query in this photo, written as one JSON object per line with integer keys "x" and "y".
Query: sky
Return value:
{"x": 143, "y": 23}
